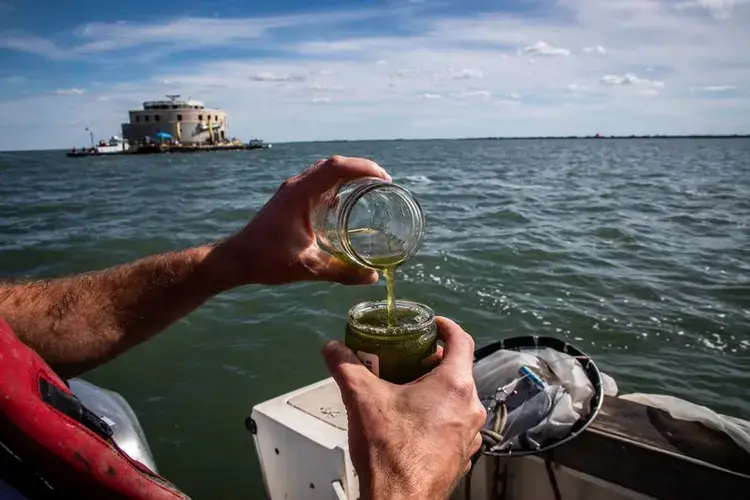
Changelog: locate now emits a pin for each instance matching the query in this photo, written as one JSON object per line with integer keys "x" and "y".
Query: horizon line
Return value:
{"x": 485, "y": 138}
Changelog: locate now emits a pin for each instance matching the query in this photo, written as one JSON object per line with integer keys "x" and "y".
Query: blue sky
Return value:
{"x": 290, "y": 70}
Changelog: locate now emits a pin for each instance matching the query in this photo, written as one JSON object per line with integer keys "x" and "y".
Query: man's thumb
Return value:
{"x": 344, "y": 366}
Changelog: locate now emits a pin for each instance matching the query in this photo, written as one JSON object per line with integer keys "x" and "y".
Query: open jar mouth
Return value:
{"x": 424, "y": 319}
{"x": 412, "y": 206}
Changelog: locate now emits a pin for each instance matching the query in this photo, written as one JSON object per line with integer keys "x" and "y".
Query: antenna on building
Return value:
{"x": 91, "y": 135}
{"x": 173, "y": 97}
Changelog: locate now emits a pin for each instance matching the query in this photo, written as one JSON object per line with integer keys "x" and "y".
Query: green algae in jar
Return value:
{"x": 394, "y": 353}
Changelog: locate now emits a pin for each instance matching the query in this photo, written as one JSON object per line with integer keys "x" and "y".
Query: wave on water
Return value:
{"x": 419, "y": 179}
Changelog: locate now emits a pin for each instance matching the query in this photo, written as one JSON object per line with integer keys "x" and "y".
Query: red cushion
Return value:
{"x": 67, "y": 454}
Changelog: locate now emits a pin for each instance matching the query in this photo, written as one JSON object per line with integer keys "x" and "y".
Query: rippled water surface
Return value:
{"x": 638, "y": 251}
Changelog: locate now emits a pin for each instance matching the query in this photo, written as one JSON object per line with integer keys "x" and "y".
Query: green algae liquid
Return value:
{"x": 389, "y": 251}
{"x": 389, "y": 256}
{"x": 390, "y": 281}
{"x": 394, "y": 348}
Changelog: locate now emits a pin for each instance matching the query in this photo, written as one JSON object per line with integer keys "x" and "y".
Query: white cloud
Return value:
{"x": 721, "y": 9}
{"x": 31, "y": 44}
{"x": 15, "y": 79}
{"x": 467, "y": 74}
{"x": 407, "y": 72}
{"x": 545, "y": 49}
{"x": 321, "y": 99}
{"x": 73, "y": 91}
{"x": 98, "y": 38}
{"x": 270, "y": 77}
{"x": 202, "y": 32}
{"x": 482, "y": 94}
{"x": 613, "y": 80}
{"x": 713, "y": 88}
{"x": 514, "y": 95}
{"x": 431, "y": 96}
{"x": 598, "y": 49}
{"x": 324, "y": 87}
{"x": 631, "y": 79}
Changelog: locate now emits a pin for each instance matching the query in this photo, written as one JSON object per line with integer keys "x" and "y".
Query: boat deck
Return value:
{"x": 647, "y": 451}
{"x": 630, "y": 451}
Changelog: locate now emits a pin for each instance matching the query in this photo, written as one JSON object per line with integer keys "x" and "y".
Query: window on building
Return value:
{"x": 216, "y": 118}
{"x": 179, "y": 118}
{"x": 157, "y": 118}
{"x": 200, "y": 117}
{"x": 137, "y": 119}
{"x": 145, "y": 118}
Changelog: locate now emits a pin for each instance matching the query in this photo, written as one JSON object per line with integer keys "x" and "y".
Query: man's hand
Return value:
{"x": 278, "y": 245}
{"x": 416, "y": 440}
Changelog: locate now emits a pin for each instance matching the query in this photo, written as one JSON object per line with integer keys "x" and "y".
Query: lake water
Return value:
{"x": 637, "y": 251}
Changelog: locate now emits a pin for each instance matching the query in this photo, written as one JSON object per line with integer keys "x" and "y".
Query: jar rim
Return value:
{"x": 404, "y": 330}
{"x": 411, "y": 201}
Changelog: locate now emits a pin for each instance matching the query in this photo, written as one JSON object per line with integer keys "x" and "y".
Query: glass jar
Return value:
{"x": 396, "y": 353}
{"x": 370, "y": 222}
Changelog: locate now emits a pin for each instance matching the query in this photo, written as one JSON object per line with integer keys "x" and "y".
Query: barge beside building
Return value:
{"x": 189, "y": 122}
{"x": 171, "y": 126}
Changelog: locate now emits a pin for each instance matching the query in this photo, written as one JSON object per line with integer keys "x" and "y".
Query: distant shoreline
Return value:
{"x": 530, "y": 138}
{"x": 731, "y": 136}
{"x": 499, "y": 138}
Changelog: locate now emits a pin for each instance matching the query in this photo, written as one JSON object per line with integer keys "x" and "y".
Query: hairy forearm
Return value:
{"x": 393, "y": 489}
{"x": 397, "y": 472}
{"x": 77, "y": 323}
{"x": 389, "y": 481}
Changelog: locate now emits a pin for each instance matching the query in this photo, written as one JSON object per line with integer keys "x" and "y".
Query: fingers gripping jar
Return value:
{"x": 371, "y": 223}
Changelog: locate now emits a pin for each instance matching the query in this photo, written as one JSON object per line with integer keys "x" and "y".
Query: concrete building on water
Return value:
{"x": 188, "y": 122}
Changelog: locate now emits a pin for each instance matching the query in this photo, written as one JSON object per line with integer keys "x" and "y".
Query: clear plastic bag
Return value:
{"x": 534, "y": 416}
